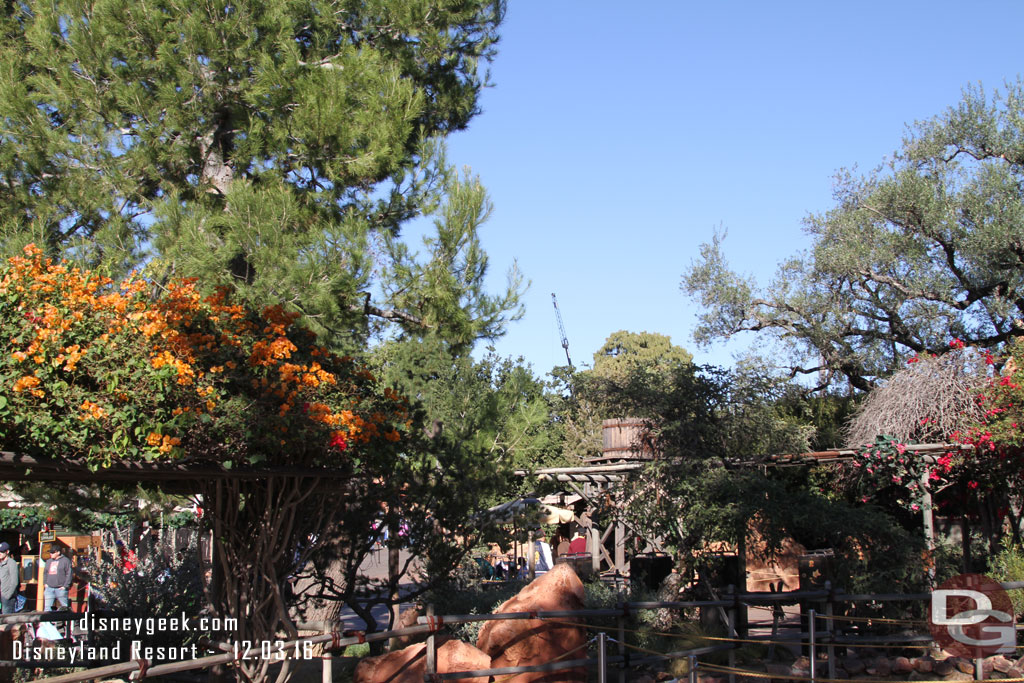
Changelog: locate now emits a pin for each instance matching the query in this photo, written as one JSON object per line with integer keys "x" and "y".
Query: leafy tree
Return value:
{"x": 103, "y": 374}
{"x": 593, "y": 395}
{"x": 485, "y": 419}
{"x": 277, "y": 147}
{"x": 926, "y": 248}
{"x": 494, "y": 407}
{"x": 698, "y": 492}
{"x": 623, "y": 351}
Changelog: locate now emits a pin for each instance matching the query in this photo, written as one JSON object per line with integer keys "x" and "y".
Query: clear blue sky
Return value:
{"x": 618, "y": 136}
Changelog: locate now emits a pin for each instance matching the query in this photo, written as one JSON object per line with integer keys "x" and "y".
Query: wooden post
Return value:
{"x": 594, "y": 546}
{"x": 531, "y": 556}
{"x": 929, "y": 526}
{"x": 813, "y": 643}
{"x": 393, "y": 576}
{"x": 431, "y": 646}
{"x": 830, "y": 627}
{"x": 623, "y": 669}
{"x": 327, "y": 674}
{"x": 731, "y": 591}
{"x": 620, "y": 546}
{"x": 743, "y": 618}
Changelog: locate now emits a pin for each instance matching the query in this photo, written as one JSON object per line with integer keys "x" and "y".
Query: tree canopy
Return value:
{"x": 276, "y": 147}
{"x": 927, "y": 248}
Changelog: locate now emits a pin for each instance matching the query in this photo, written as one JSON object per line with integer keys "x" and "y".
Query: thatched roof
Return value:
{"x": 927, "y": 401}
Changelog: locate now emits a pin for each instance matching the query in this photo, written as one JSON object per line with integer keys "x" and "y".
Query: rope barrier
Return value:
{"x": 881, "y": 620}
{"x": 560, "y": 657}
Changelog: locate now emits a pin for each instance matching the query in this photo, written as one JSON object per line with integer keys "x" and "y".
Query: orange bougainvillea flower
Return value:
{"x": 188, "y": 373}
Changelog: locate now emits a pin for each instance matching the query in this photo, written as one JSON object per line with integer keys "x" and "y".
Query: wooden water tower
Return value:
{"x": 626, "y": 439}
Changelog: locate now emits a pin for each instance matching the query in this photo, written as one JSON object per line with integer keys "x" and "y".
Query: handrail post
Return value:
{"x": 624, "y": 606}
{"x": 731, "y": 591}
{"x": 814, "y": 650}
{"x": 431, "y": 667}
{"x": 693, "y": 668}
{"x": 327, "y": 661}
{"x": 602, "y": 657}
{"x": 830, "y": 627}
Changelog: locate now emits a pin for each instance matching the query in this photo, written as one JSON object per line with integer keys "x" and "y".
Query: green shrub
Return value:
{"x": 1008, "y": 565}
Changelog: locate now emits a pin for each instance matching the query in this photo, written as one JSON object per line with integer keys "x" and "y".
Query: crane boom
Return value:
{"x": 561, "y": 328}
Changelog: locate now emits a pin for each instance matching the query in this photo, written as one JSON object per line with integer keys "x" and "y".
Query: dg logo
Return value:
{"x": 971, "y": 616}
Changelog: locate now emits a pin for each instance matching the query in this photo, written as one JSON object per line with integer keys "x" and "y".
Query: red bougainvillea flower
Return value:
{"x": 338, "y": 441}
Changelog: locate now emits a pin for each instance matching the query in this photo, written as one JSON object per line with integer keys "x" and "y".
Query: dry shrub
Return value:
{"x": 925, "y": 402}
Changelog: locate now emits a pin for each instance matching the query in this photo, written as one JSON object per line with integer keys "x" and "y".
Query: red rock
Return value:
{"x": 902, "y": 665}
{"x": 1000, "y": 663}
{"x": 880, "y": 667}
{"x": 456, "y": 655}
{"x": 924, "y": 665}
{"x": 405, "y": 619}
{"x": 526, "y": 642}
{"x": 853, "y": 664}
{"x": 964, "y": 665}
{"x": 410, "y": 664}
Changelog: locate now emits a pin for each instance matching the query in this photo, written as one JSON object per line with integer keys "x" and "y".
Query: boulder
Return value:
{"x": 880, "y": 666}
{"x": 853, "y": 664}
{"x": 924, "y": 664}
{"x": 410, "y": 664}
{"x": 406, "y": 619}
{"x": 964, "y": 665}
{"x": 1000, "y": 663}
{"x": 902, "y": 665}
{"x": 528, "y": 642}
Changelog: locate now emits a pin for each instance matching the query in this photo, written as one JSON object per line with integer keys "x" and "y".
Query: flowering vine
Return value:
{"x": 888, "y": 463}
{"x": 107, "y": 371}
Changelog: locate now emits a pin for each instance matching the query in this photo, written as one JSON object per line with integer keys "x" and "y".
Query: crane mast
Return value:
{"x": 561, "y": 328}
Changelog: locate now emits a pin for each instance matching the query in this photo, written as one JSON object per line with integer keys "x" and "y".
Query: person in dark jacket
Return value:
{"x": 58, "y": 579}
{"x": 9, "y": 580}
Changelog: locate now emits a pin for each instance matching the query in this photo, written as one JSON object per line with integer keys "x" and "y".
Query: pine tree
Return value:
{"x": 277, "y": 146}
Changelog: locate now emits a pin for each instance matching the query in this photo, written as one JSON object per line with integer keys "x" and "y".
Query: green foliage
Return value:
{"x": 922, "y": 250}
{"x": 276, "y": 147}
{"x": 627, "y": 361}
{"x": 1008, "y": 565}
{"x": 886, "y": 464}
{"x": 625, "y": 352}
{"x": 163, "y": 584}
{"x": 466, "y": 593}
{"x": 494, "y": 410}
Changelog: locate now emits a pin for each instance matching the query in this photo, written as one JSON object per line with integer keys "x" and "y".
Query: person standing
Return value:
{"x": 58, "y": 580}
{"x": 543, "y": 550}
{"x": 9, "y": 580}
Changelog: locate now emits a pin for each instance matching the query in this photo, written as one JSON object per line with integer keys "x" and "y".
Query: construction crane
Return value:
{"x": 561, "y": 328}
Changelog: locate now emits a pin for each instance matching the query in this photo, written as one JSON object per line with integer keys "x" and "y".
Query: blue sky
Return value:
{"x": 618, "y": 137}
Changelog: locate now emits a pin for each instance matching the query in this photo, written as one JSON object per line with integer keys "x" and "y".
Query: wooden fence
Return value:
{"x": 813, "y": 637}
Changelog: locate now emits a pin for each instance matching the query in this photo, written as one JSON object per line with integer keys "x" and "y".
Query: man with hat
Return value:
{"x": 58, "y": 579}
{"x": 9, "y": 580}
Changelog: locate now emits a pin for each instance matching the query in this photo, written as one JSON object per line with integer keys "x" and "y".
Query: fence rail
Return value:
{"x": 429, "y": 625}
